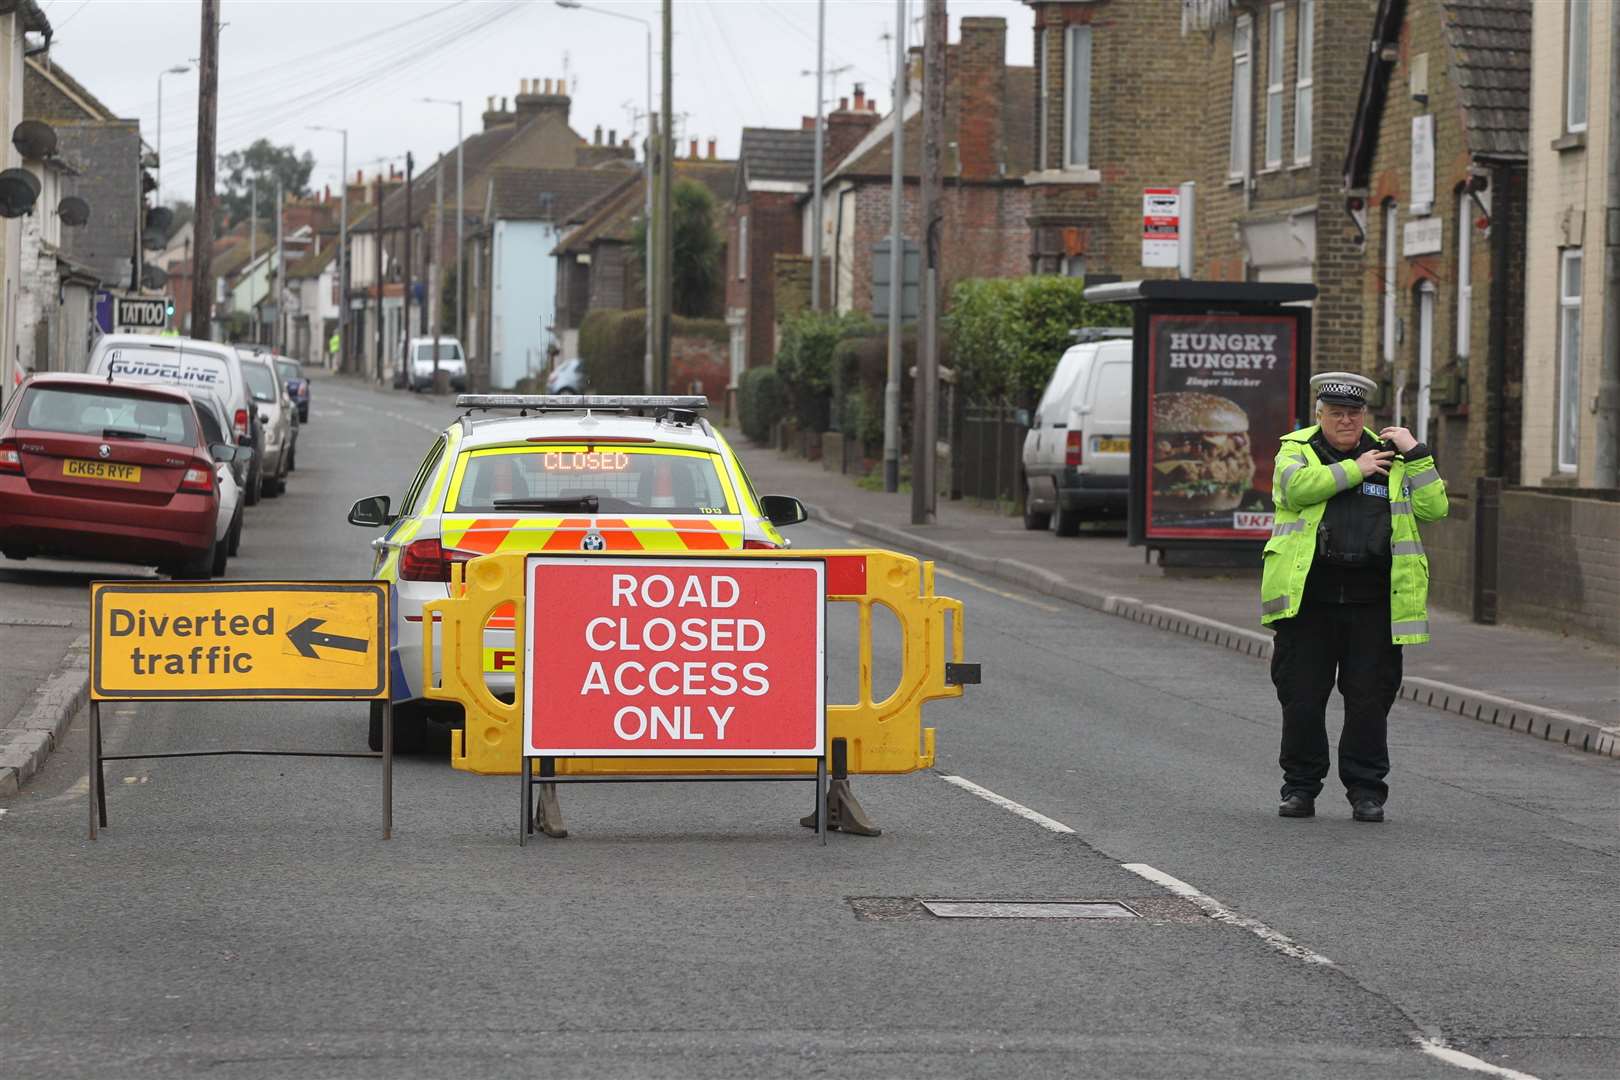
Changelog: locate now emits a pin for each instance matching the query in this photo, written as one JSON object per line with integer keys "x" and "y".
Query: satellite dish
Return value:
{"x": 18, "y": 190}
{"x": 159, "y": 219}
{"x": 153, "y": 277}
{"x": 34, "y": 139}
{"x": 73, "y": 211}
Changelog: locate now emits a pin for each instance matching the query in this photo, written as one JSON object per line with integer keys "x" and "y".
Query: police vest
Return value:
{"x": 1301, "y": 485}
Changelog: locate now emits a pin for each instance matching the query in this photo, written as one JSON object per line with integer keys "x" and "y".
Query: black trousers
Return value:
{"x": 1350, "y": 642}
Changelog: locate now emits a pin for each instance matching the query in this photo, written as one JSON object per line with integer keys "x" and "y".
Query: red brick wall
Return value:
{"x": 773, "y": 229}
{"x": 978, "y": 68}
{"x": 701, "y": 361}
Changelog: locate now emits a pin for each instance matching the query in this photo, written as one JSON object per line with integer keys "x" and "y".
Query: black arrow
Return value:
{"x": 306, "y": 635}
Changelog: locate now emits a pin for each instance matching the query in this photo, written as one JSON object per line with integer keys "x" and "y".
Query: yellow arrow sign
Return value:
{"x": 239, "y": 639}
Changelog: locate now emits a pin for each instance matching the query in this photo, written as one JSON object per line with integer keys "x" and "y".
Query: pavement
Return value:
{"x": 1554, "y": 687}
{"x": 240, "y": 918}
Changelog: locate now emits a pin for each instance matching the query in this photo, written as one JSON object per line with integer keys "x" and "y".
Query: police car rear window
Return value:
{"x": 624, "y": 481}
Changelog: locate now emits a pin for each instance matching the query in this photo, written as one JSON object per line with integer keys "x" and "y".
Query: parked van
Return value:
{"x": 1077, "y": 454}
{"x": 191, "y": 364}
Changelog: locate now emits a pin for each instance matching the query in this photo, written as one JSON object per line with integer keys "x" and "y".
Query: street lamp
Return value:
{"x": 343, "y": 243}
{"x": 461, "y": 224}
{"x": 178, "y": 69}
{"x": 647, "y": 209}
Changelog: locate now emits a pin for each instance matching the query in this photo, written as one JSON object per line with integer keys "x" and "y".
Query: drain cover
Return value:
{"x": 1029, "y": 909}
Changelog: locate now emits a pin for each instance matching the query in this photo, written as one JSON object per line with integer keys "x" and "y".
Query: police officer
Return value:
{"x": 1345, "y": 586}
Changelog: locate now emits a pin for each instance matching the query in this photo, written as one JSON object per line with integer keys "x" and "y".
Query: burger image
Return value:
{"x": 1201, "y": 453}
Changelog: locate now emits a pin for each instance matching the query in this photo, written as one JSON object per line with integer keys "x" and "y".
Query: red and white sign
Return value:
{"x": 674, "y": 657}
{"x": 1161, "y": 226}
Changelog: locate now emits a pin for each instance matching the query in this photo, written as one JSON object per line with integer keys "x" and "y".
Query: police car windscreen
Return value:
{"x": 106, "y": 415}
{"x": 623, "y": 482}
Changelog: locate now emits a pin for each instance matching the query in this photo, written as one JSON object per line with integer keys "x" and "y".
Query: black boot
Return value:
{"x": 1367, "y": 810}
{"x": 1296, "y": 805}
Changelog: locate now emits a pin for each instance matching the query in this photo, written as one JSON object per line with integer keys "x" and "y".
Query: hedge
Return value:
{"x": 1007, "y": 334}
{"x": 804, "y": 361}
{"x": 613, "y": 345}
{"x": 860, "y": 380}
{"x": 761, "y": 402}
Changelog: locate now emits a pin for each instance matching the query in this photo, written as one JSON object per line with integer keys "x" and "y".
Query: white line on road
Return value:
{"x": 1434, "y": 1046}
{"x": 1220, "y": 912}
{"x": 1050, "y": 824}
{"x": 942, "y": 572}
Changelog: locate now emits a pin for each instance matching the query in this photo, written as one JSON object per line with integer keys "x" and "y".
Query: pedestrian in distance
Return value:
{"x": 1345, "y": 586}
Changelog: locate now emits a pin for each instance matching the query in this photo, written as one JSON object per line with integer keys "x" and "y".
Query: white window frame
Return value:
{"x": 1073, "y": 266}
{"x": 1392, "y": 216}
{"x": 1077, "y": 97}
{"x": 1043, "y": 107}
{"x": 1465, "y": 274}
{"x": 742, "y": 248}
{"x": 1425, "y": 364}
{"x": 1276, "y": 46}
{"x": 1577, "y": 64}
{"x": 1570, "y": 266}
{"x": 1304, "y": 81}
{"x": 1242, "y": 121}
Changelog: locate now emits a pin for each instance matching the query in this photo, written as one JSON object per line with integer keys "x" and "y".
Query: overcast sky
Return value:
{"x": 365, "y": 65}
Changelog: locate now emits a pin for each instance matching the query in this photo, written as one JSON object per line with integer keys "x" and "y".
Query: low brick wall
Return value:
{"x": 1560, "y": 563}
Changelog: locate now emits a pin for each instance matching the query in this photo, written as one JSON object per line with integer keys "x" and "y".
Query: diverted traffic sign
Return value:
{"x": 278, "y": 640}
{"x": 674, "y": 657}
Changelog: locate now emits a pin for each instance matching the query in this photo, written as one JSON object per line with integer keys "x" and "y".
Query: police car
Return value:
{"x": 553, "y": 473}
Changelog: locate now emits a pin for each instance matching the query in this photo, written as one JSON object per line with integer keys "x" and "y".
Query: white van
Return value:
{"x": 1077, "y": 453}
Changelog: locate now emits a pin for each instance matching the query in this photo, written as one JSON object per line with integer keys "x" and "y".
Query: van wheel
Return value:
{"x": 1035, "y": 520}
{"x": 1068, "y": 522}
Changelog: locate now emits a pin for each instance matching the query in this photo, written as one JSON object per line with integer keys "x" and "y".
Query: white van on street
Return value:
{"x": 1077, "y": 453}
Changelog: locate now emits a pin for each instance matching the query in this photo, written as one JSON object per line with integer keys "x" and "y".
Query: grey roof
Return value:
{"x": 1490, "y": 66}
{"x": 551, "y": 194}
{"x": 778, "y": 155}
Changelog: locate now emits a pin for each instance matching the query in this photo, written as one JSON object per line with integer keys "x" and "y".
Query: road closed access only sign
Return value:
{"x": 674, "y": 657}
{"x": 242, "y": 639}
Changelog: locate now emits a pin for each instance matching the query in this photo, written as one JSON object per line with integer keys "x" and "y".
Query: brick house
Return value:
{"x": 988, "y": 152}
{"x": 1434, "y": 182}
{"x": 775, "y": 169}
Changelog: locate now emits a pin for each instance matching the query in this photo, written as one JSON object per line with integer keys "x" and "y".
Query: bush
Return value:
{"x": 860, "y": 379}
{"x": 761, "y": 402}
{"x": 804, "y": 361}
{"x": 1007, "y": 334}
{"x": 613, "y": 346}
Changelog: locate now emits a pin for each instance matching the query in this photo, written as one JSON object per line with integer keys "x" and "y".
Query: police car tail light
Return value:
{"x": 240, "y": 422}
{"x": 428, "y": 560}
{"x": 758, "y": 545}
{"x": 10, "y": 459}
{"x": 1071, "y": 449}
{"x": 198, "y": 479}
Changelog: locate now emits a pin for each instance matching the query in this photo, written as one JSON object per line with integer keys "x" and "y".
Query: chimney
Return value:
{"x": 693, "y": 155}
{"x": 860, "y": 97}
{"x": 807, "y": 123}
{"x": 846, "y": 126}
{"x": 712, "y": 141}
{"x": 542, "y": 97}
{"x": 979, "y": 67}
{"x": 597, "y": 141}
{"x": 494, "y": 117}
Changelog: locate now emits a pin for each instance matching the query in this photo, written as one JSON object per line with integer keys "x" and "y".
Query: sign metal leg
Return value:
{"x": 388, "y": 769}
{"x": 821, "y": 798}
{"x": 526, "y": 815}
{"x": 93, "y": 742}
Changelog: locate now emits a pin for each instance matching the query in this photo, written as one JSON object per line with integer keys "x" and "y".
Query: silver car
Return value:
{"x": 275, "y": 414}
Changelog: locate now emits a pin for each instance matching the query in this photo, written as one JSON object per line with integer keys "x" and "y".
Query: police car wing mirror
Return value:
{"x": 783, "y": 509}
{"x": 371, "y": 512}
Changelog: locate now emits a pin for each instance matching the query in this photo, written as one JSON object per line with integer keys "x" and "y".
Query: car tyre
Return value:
{"x": 1035, "y": 520}
{"x": 222, "y": 551}
{"x": 255, "y": 485}
{"x": 233, "y": 542}
{"x": 292, "y": 457}
{"x": 1068, "y": 521}
{"x": 198, "y": 567}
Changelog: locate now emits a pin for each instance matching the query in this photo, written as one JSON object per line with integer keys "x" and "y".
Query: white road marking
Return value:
{"x": 1433, "y": 1046}
{"x": 1050, "y": 824}
{"x": 942, "y": 572}
{"x": 1221, "y": 913}
{"x": 1437, "y": 1048}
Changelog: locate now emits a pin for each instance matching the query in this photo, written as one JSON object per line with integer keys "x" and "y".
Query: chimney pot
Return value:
{"x": 860, "y": 96}
{"x": 712, "y": 141}
{"x": 598, "y": 140}
{"x": 548, "y": 85}
{"x": 807, "y": 123}
{"x": 523, "y": 86}
{"x": 694, "y": 152}
{"x": 503, "y": 105}
{"x": 613, "y": 137}
{"x": 843, "y": 104}
{"x": 871, "y": 106}
{"x": 562, "y": 85}
{"x": 490, "y": 106}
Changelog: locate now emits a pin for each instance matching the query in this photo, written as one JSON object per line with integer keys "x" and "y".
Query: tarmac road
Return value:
{"x": 242, "y": 918}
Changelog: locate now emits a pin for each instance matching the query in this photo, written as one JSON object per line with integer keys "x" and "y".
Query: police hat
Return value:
{"x": 1342, "y": 388}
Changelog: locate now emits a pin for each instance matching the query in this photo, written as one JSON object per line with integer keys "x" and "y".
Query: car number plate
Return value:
{"x": 1113, "y": 446}
{"x": 101, "y": 470}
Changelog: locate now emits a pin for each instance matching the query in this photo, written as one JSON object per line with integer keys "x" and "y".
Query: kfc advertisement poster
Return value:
{"x": 1222, "y": 390}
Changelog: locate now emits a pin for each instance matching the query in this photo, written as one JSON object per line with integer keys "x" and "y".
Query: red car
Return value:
{"x": 119, "y": 472}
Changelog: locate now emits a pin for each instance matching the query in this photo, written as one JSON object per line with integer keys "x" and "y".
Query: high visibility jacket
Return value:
{"x": 1301, "y": 485}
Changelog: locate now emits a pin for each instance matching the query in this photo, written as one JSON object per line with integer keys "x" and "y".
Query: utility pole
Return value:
{"x": 278, "y": 337}
{"x": 378, "y": 280}
{"x": 345, "y": 352}
{"x": 891, "y": 390}
{"x": 925, "y": 388}
{"x": 410, "y": 272}
{"x": 253, "y": 244}
{"x": 654, "y": 151}
{"x": 433, "y": 276}
{"x": 666, "y": 230}
{"x": 202, "y": 248}
{"x": 821, "y": 138}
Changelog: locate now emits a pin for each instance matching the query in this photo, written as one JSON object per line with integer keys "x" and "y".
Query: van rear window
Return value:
{"x": 170, "y": 367}
{"x": 107, "y": 416}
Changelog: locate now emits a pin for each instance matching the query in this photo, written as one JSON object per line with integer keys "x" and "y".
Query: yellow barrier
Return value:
{"x": 882, "y": 736}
